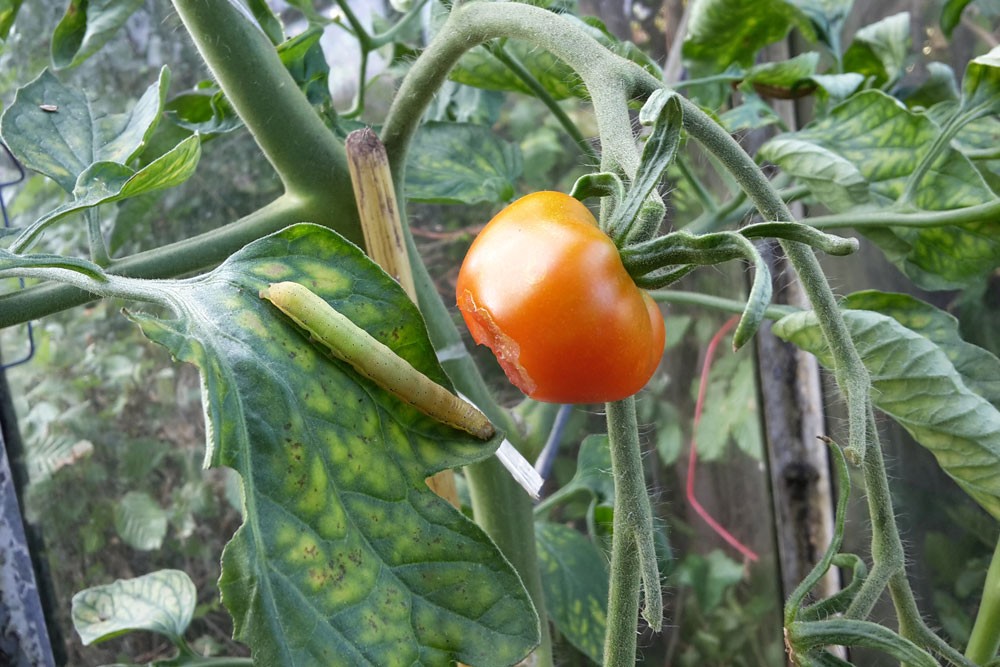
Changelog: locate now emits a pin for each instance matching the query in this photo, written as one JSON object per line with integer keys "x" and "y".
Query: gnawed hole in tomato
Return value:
{"x": 486, "y": 332}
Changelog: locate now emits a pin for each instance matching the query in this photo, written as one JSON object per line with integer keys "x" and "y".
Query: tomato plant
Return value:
{"x": 546, "y": 290}
{"x": 345, "y": 555}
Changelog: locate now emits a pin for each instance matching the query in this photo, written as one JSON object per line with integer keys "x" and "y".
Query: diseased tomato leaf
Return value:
{"x": 915, "y": 382}
{"x": 863, "y": 153}
{"x": 345, "y": 556}
{"x": 575, "y": 581}
{"x": 461, "y": 163}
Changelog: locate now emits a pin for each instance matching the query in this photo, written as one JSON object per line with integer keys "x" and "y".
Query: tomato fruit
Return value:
{"x": 546, "y": 290}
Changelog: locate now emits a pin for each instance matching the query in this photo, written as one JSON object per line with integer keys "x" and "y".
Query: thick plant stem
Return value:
{"x": 985, "y": 640}
{"x": 887, "y": 548}
{"x": 986, "y": 212}
{"x": 633, "y": 561}
{"x": 309, "y": 160}
{"x": 500, "y": 506}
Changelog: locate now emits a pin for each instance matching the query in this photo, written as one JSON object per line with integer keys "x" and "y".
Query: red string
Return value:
{"x": 706, "y": 366}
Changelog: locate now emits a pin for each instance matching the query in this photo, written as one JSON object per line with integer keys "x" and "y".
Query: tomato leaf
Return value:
{"x": 8, "y": 12}
{"x": 915, "y": 382}
{"x": 345, "y": 556}
{"x": 726, "y": 32}
{"x": 979, "y": 368}
{"x": 106, "y": 182}
{"x": 161, "y": 602}
{"x": 461, "y": 163}
{"x": 783, "y": 78}
{"x": 951, "y": 15}
{"x": 981, "y": 83}
{"x": 86, "y": 26}
{"x": 575, "y": 583}
{"x": 140, "y": 521}
{"x": 863, "y": 153}
{"x": 880, "y": 50}
{"x": 52, "y": 129}
{"x": 592, "y": 477}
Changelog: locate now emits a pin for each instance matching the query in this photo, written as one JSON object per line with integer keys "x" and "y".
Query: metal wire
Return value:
{"x": 6, "y": 225}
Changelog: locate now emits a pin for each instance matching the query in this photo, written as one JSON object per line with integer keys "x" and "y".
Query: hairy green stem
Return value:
{"x": 985, "y": 640}
{"x": 774, "y": 311}
{"x": 912, "y": 625}
{"x": 308, "y": 158}
{"x": 887, "y": 548}
{"x": 633, "y": 558}
{"x": 986, "y": 212}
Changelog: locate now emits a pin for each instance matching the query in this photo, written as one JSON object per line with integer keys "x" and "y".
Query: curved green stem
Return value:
{"x": 772, "y": 312}
{"x": 986, "y": 212}
{"x": 985, "y": 640}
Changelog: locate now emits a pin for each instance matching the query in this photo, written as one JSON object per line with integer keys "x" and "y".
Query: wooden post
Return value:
{"x": 383, "y": 232}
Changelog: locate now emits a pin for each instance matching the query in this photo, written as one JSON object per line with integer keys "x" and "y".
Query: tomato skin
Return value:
{"x": 546, "y": 290}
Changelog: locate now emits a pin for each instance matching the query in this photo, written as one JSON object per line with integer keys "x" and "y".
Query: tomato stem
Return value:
{"x": 985, "y": 639}
{"x": 633, "y": 555}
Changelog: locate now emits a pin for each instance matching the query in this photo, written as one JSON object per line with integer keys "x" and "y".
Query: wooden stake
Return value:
{"x": 383, "y": 232}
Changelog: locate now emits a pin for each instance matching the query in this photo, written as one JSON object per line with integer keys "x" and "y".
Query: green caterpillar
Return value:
{"x": 348, "y": 342}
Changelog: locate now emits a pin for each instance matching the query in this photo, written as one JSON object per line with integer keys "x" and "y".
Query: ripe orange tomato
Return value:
{"x": 546, "y": 290}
